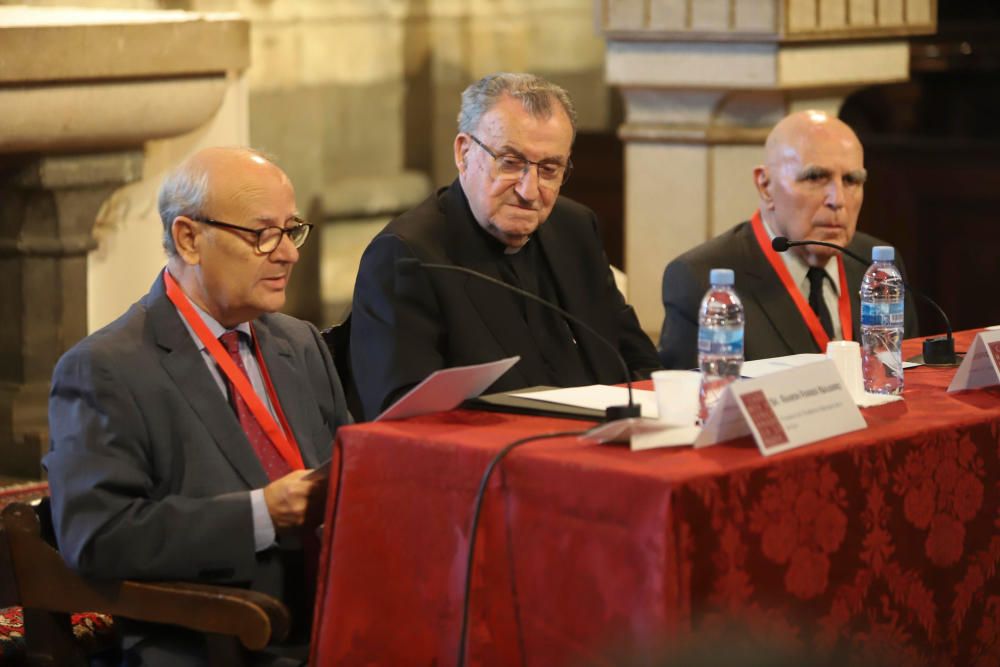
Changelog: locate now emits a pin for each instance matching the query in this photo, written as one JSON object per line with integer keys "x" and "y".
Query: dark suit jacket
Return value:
{"x": 149, "y": 469}
{"x": 406, "y": 325}
{"x": 774, "y": 327}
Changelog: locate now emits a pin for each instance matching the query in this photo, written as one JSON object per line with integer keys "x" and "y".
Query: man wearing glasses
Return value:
{"x": 182, "y": 433}
{"x": 502, "y": 216}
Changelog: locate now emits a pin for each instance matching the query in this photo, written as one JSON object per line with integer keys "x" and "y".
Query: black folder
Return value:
{"x": 508, "y": 402}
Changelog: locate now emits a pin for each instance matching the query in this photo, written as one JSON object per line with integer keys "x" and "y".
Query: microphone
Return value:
{"x": 408, "y": 265}
{"x": 781, "y": 244}
{"x": 937, "y": 351}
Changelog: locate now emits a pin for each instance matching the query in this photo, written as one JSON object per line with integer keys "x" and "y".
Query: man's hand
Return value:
{"x": 291, "y": 499}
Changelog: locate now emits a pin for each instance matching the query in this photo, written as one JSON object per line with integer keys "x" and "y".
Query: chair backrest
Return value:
{"x": 338, "y": 339}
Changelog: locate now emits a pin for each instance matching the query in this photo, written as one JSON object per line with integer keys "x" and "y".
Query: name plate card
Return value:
{"x": 981, "y": 365}
{"x": 784, "y": 410}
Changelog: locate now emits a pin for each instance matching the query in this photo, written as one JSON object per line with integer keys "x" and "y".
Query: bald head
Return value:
{"x": 214, "y": 173}
{"x": 232, "y": 230}
{"x": 811, "y": 184}
{"x": 795, "y": 132}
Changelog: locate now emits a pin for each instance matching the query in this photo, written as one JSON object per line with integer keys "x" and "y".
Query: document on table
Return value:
{"x": 596, "y": 397}
{"x": 760, "y": 367}
{"x": 447, "y": 388}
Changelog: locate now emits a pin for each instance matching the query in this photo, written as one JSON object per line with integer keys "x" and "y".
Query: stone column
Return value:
{"x": 704, "y": 80}
{"x": 48, "y": 206}
{"x": 84, "y": 95}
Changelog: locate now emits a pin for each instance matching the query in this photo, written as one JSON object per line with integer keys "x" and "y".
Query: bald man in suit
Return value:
{"x": 810, "y": 187}
{"x": 169, "y": 461}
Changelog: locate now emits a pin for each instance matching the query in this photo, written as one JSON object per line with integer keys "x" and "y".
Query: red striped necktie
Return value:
{"x": 274, "y": 465}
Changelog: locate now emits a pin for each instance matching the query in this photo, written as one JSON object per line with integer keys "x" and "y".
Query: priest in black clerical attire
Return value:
{"x": 502, "y": 216}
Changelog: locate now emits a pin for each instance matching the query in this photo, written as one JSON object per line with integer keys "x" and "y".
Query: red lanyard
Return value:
{"x": 281, "y": 436}
{"x": 815, "y": 328}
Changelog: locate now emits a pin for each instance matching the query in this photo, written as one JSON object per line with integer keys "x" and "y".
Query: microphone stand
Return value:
{"x": 937, "y": 351}
{"x": 612, "y": 412}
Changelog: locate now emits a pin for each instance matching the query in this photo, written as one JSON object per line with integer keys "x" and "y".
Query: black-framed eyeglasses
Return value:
{"x": 512, "y": 167}
{"x": 269, "y": 238}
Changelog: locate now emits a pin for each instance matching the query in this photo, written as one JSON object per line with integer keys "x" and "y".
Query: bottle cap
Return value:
{"x": 883, "y": 253}
{"x": 721, "y": 277}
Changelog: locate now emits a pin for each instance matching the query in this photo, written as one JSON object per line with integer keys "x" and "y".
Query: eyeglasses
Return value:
{"x": 269, "y": 238}
{"x": 512, "y": 167}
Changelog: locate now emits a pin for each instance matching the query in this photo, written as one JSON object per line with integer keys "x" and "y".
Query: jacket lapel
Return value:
{"x": 770, "y": 295}
{"x": 183, "y": 362}
{"x": 854, "y": 272}
{"x": 288, "y": 385}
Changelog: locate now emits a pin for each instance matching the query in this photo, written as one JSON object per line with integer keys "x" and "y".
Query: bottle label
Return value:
{"x": 723, "y": 341}
{"x": 882, "y": 314}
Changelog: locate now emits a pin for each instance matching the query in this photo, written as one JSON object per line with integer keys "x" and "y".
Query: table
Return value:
{"x": 882, "y": 542}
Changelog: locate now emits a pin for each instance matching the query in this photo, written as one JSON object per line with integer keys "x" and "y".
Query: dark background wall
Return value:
{"x": 932, "y": 149}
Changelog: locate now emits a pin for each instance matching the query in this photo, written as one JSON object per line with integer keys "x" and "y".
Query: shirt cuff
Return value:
{"x": 263, "y": 527}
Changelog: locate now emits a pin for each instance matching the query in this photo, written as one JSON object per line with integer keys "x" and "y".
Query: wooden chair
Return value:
{"x": 34, "y": 575}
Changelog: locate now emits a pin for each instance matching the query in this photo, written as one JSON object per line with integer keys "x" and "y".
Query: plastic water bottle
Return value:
{"x": 720, "y": 339}
{"x": 882, "y": 324}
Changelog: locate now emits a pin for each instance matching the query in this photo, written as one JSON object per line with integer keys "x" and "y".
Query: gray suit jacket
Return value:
{"x": 149, "y": 469}
{"x": 405, "y": 325}
{"x": 774, "y": 327}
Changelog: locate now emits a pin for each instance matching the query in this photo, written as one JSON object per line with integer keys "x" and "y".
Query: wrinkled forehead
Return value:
{"x": 510, "y": 122}
{"x": 253, "y": 191}
{"x": 827, "y": 147}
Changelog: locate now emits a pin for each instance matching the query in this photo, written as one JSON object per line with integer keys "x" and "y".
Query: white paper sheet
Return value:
{"x": 760, "y": 367}
{"x": 866, "y": 400}
{"x": 644, "y": 433}
{"x": 447, "y": 388}
{"x": 596, "y": 397}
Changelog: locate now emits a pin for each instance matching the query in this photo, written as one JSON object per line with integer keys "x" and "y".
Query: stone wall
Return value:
{"x": 366, "y": 89}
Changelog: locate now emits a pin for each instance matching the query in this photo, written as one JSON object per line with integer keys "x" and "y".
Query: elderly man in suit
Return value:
{"x": 810, "y": 187}
{"x": 502, "y": 216}
{"x": 182, "y": 433}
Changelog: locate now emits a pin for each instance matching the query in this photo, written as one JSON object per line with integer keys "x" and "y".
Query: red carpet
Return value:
{"x": 23, "y": 493}
{"x": 89, "y": 628}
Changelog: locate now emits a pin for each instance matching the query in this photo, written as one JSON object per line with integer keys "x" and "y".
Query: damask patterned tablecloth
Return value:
{"x": 881, "y": 544}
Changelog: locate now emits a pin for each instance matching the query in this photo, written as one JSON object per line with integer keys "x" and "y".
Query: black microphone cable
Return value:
{"x": 612, "y": 412}
{"x": 477, "y": 507}
{"x": 937, "y": 351}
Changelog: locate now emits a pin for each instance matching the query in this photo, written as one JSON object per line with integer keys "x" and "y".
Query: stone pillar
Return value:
{"x": 48, "y": 206}
{"x": 84, "y": 96}
{"x": 704, "y": 80}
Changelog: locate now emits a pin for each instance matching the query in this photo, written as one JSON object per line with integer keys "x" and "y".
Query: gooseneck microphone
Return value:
{"x": 937, "y": 351}
{"x": 407, "y": 265}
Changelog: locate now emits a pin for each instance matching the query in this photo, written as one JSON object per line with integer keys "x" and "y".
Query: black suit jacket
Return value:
{"x": 774, "y": 327}
{"x": 405, "y": 325}
{"x": 149, "y": 469}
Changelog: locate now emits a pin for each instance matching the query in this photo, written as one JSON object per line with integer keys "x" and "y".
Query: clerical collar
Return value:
{"x": 507, "y": 250}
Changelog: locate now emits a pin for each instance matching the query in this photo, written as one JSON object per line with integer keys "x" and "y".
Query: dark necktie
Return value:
{"x": 270, "y": 459}
{"x": 816, "y": 277}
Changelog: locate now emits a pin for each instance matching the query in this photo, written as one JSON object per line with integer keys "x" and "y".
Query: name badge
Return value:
{"x": 784, "y": 410}
{"x": 981, "y": 365}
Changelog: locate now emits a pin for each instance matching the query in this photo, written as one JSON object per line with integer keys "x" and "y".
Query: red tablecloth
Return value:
{"x": 882, "y": 541}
